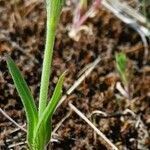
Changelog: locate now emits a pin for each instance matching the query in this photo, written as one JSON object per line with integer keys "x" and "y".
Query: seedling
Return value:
{"x": 125, "y": 74}
{"x": 121, "y": 65}
{"x": 39, "y": 120}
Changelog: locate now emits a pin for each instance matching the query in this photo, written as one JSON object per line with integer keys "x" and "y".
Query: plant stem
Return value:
{"x": 53, "y": 12}
{"x": 46, "y": 71}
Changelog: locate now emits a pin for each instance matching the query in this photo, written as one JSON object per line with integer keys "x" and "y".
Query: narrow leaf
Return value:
{"x": 121, "y": 65}
{"x": 121, "y": 62}
{"x": 26, "y": 97}
{"x": 48, "y": 113}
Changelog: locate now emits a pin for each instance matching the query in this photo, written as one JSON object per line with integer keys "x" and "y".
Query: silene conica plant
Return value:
{"x": 39, "y": 119}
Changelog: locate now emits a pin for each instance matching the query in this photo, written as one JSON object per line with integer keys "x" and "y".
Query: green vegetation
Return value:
{"x": 39, "y": 119}
{"x": 121, "y": 65}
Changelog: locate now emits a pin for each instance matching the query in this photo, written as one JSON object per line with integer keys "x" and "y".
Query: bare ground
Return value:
{"x": 22, "y": 34}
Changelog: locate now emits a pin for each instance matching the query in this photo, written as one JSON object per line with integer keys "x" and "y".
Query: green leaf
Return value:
{"x": 121, "y": 62}
{"x": 26, "y": 98}
{"x": 48, "y": 112}
{"x": 121, "y": 65}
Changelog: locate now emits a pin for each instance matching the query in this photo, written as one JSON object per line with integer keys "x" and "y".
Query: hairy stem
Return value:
{"x": 53, "y": 12}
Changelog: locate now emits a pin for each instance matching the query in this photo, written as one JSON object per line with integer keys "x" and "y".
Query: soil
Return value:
{"x": 22, "y": 36}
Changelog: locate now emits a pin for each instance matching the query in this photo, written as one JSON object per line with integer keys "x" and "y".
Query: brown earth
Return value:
{"x": 22, "y": 35}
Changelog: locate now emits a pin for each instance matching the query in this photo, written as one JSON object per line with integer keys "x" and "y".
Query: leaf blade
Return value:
{"x": 25, "y": 95}
{"x": 47, "y": 114}
{"x": 121, "y": 65}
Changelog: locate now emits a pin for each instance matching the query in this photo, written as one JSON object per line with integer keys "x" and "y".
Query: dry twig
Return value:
{"x": 104, "y": 139}
{"x": 10, "y": 119}
{"x": 80, "y": 80}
